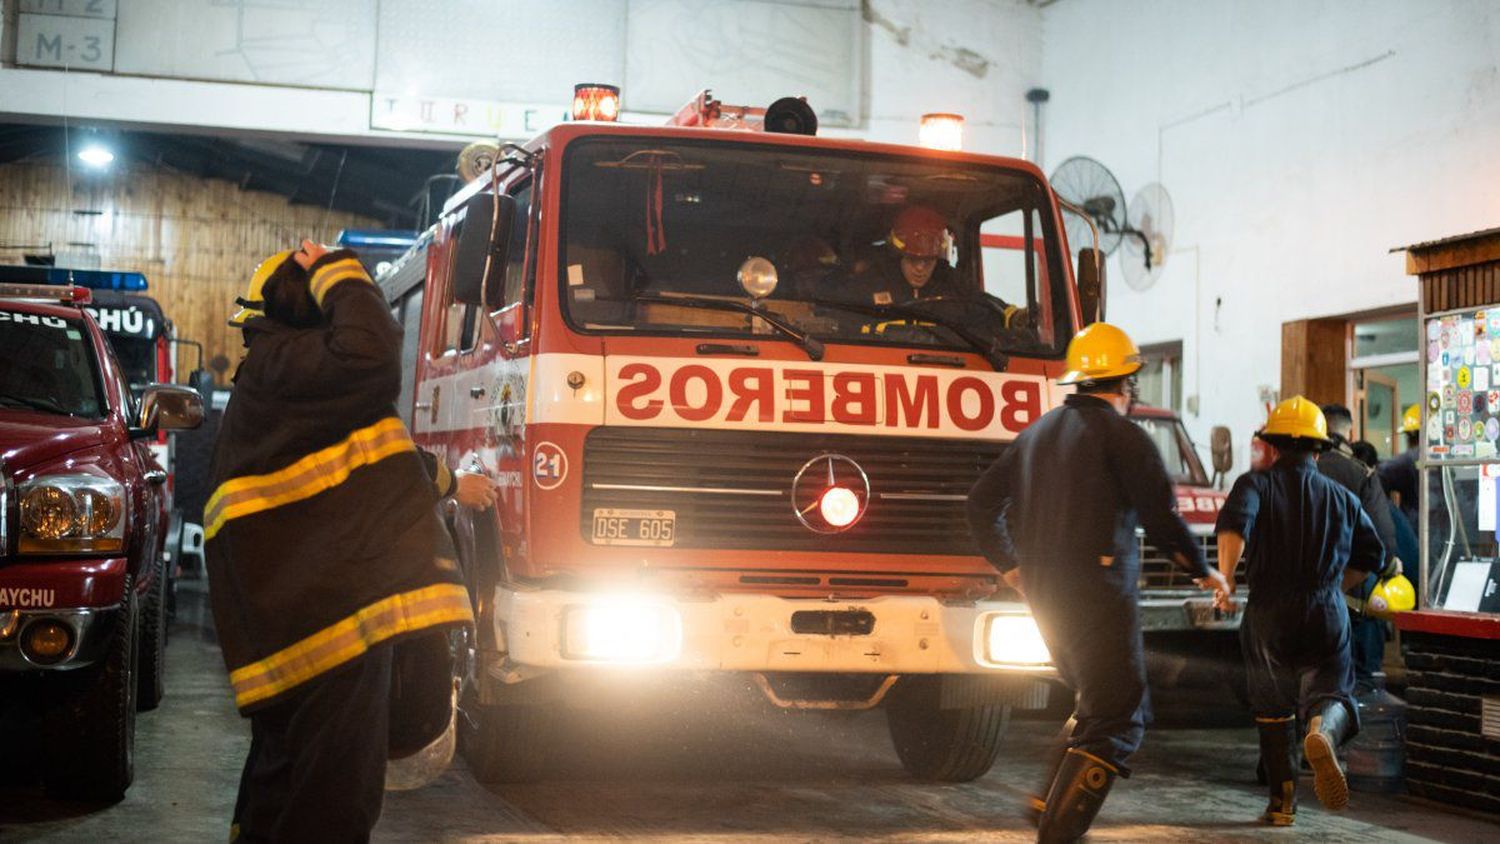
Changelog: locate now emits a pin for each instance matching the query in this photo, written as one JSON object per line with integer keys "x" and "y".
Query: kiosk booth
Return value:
{"x": 1451, "y": 642}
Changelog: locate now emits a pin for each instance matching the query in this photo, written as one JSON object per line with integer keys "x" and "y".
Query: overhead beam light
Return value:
{"x": 96, "y": 156}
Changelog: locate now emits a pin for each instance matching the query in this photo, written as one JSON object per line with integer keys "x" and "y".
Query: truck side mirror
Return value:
{"x": 168, "y": 407}
{"x": 1221, "y": 449}
{"x": 1091, "y": 292}
{"x": 479, "y": 253}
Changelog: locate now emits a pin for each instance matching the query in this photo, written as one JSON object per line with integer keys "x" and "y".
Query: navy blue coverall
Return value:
{"x": 1301, "y": 530}
{"x": 1063, "y": 503}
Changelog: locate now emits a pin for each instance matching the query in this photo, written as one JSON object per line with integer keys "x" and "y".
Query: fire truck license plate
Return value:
{"x": 634, "y": 527}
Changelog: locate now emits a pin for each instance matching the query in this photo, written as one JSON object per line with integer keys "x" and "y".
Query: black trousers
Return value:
{"x": 316, "y": 769}
{"x": 1297, "y": 655}
{"x": 1091, "y": 624}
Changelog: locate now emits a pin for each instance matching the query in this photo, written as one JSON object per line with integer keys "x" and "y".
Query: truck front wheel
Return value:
{"x": 946, "y": 745}
{"x": 90, "y": 729}
{"x": 506, "y": 743}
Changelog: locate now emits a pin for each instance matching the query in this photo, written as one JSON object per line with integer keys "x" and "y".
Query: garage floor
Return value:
{"x": 714, "y": 769}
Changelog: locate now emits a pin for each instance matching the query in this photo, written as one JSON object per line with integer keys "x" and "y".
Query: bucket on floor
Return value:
{"x": 1376, "y": 758}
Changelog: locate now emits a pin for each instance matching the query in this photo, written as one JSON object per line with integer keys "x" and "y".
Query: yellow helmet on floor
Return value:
{"x": 1411, "y": 420}
{"x": 1296, "y": 417}
{"x": 1392, "y": 595}
{"x": 253, "y": 304}
{"x": 1100, "y": 352}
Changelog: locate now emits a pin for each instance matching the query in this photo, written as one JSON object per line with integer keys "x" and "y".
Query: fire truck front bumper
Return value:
{"x": 1166, "y": 610}
{"x": 551, "y": 629}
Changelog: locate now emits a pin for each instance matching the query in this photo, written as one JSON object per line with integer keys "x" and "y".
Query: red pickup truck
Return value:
{"x": 1187, "y": 641}
{"x": 82, "y": 519}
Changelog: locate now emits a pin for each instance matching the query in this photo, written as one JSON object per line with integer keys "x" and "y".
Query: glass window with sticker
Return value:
{"x": 49, "y": 366}
{"x": 702, "y": 238}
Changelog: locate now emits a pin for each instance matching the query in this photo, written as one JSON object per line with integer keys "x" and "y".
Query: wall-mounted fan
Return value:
{"x": 1087, "y": 184}
{"x": 1149, "y": 236}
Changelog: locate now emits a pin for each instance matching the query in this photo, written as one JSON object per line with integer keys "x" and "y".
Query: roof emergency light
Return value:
{"x": 595, "y": 101}
{"x": 942, "y": 130}
{"x": 47, "y": 293}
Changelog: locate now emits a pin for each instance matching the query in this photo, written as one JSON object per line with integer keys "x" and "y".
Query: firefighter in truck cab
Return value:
{"x": 326, "y": 556}
{"x": 1057, "y": 515}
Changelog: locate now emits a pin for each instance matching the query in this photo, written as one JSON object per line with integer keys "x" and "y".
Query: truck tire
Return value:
{"x": 90, "y": 729}
{"x": 152, "y": 640}
{"x": 506, "y": 743}
{"x": 943, "y": 745}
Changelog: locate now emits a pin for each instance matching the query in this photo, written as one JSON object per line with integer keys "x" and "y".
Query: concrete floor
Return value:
{"x": 715, "y": 767}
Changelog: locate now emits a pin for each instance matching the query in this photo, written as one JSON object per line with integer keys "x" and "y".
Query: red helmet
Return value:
{"x": 920, "y": 232}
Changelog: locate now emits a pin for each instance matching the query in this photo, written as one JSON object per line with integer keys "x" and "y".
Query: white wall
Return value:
{"x": 1299, "y": 140}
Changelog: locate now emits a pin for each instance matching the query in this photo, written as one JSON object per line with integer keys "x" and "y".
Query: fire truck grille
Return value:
{"x": 732, "y": 489}
{"x": 1159, "y": 572}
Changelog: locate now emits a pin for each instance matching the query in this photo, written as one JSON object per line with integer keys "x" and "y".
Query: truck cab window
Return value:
{"x": 515, "y": 257}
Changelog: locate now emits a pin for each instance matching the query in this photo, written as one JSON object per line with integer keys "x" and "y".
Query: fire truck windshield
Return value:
{"x": 885, "y": 249}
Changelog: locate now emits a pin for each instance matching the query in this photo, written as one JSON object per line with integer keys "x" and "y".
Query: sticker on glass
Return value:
{"x": 1481, "y": 379}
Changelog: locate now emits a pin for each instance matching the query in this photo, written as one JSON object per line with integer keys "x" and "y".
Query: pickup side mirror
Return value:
{"x": 1221, "y": 448}
{"x": 168, "y": 407}
{"x": 479, "y": 253}
{"x": 1091, "y": 285}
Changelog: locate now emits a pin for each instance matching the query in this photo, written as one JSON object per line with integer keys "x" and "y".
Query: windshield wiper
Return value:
{"x": 812, "y": 345}
{"x": 35, "y": 403}
{"x": 990, "y": 350}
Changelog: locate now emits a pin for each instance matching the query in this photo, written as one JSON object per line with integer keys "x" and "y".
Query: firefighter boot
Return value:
{"x": 1326, "y": 730}
{"x": 1278, "y": 756}
{"x": 1036, "y": 804}
{"x": 1083, "y": 781}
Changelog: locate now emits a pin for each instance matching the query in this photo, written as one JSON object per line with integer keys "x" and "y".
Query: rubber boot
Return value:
{"x": 1278, "y": 756}
{"x": 1327, "y": 730}
{"x": 1083, "y": 781}
{"x": 1036, "y": 803}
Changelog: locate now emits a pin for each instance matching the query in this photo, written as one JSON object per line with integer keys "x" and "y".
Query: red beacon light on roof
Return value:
{"x": 595, "y": 101}
{"x": 942, "y": 130}
{"x": 72, "y": 295}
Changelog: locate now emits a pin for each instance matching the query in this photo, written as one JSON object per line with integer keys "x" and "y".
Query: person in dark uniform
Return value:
{"x": 915, "y": 263}
{"x": 1056, "y": 514}
{"x": 1366, "y": 632}
{"x": 1305, "y": 538}
{"x": 326, "y": 557}
{"x": 1399, "y": 474}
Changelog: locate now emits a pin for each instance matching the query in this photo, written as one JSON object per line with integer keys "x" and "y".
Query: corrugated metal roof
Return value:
{"x": 1427, "y": 244}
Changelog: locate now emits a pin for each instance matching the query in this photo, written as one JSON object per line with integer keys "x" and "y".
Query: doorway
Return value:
{"x": 1384, "y": 378}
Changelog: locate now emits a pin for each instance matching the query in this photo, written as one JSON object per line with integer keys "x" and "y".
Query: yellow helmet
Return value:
{"x": 1392, "y": 595}
{"x": 1296, "y": 417}
{"x": 1099, "y": 352}
{"x": 1411, "y": 420}
{"x": 253, "y": 304}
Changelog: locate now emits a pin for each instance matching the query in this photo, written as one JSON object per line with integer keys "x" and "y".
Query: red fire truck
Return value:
{"x": 727, "y": 438}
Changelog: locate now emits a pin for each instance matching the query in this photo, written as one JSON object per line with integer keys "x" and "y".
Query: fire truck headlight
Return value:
{"x": 1013, "y": 639}
{"x": 621, "y": 630}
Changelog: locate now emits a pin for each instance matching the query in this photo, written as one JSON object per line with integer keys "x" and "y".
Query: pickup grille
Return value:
{"x": 731, "y": 489}
{"x": 1159, "y": 572}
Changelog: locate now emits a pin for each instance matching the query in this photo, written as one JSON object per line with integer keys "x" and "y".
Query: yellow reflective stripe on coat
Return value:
{"x": 444, "y": 603}
{"x": 322, "y": 470}
{"x": 326, "y": 276}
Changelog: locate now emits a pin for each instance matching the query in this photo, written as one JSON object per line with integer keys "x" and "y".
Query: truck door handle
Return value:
{"x": 155, "y": 476}
{"x": 476, "y": 392}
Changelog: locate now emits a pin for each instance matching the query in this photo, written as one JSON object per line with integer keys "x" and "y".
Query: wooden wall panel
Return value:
{"x": 197, "y": 240}
{"x": 1314, "y": 360}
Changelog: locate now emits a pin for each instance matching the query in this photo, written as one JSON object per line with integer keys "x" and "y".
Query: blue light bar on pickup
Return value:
{"x": 391, "y": 239}
{"x": 93, "y": 279}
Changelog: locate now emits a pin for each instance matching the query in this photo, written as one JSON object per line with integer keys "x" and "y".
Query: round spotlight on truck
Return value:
{"x": 46, "y": 642}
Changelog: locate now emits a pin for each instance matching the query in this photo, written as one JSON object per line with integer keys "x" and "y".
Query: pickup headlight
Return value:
{"x": 63, "y": 514}
{"x": 1013, "y": 639}
{"x": 621, "y": 629}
